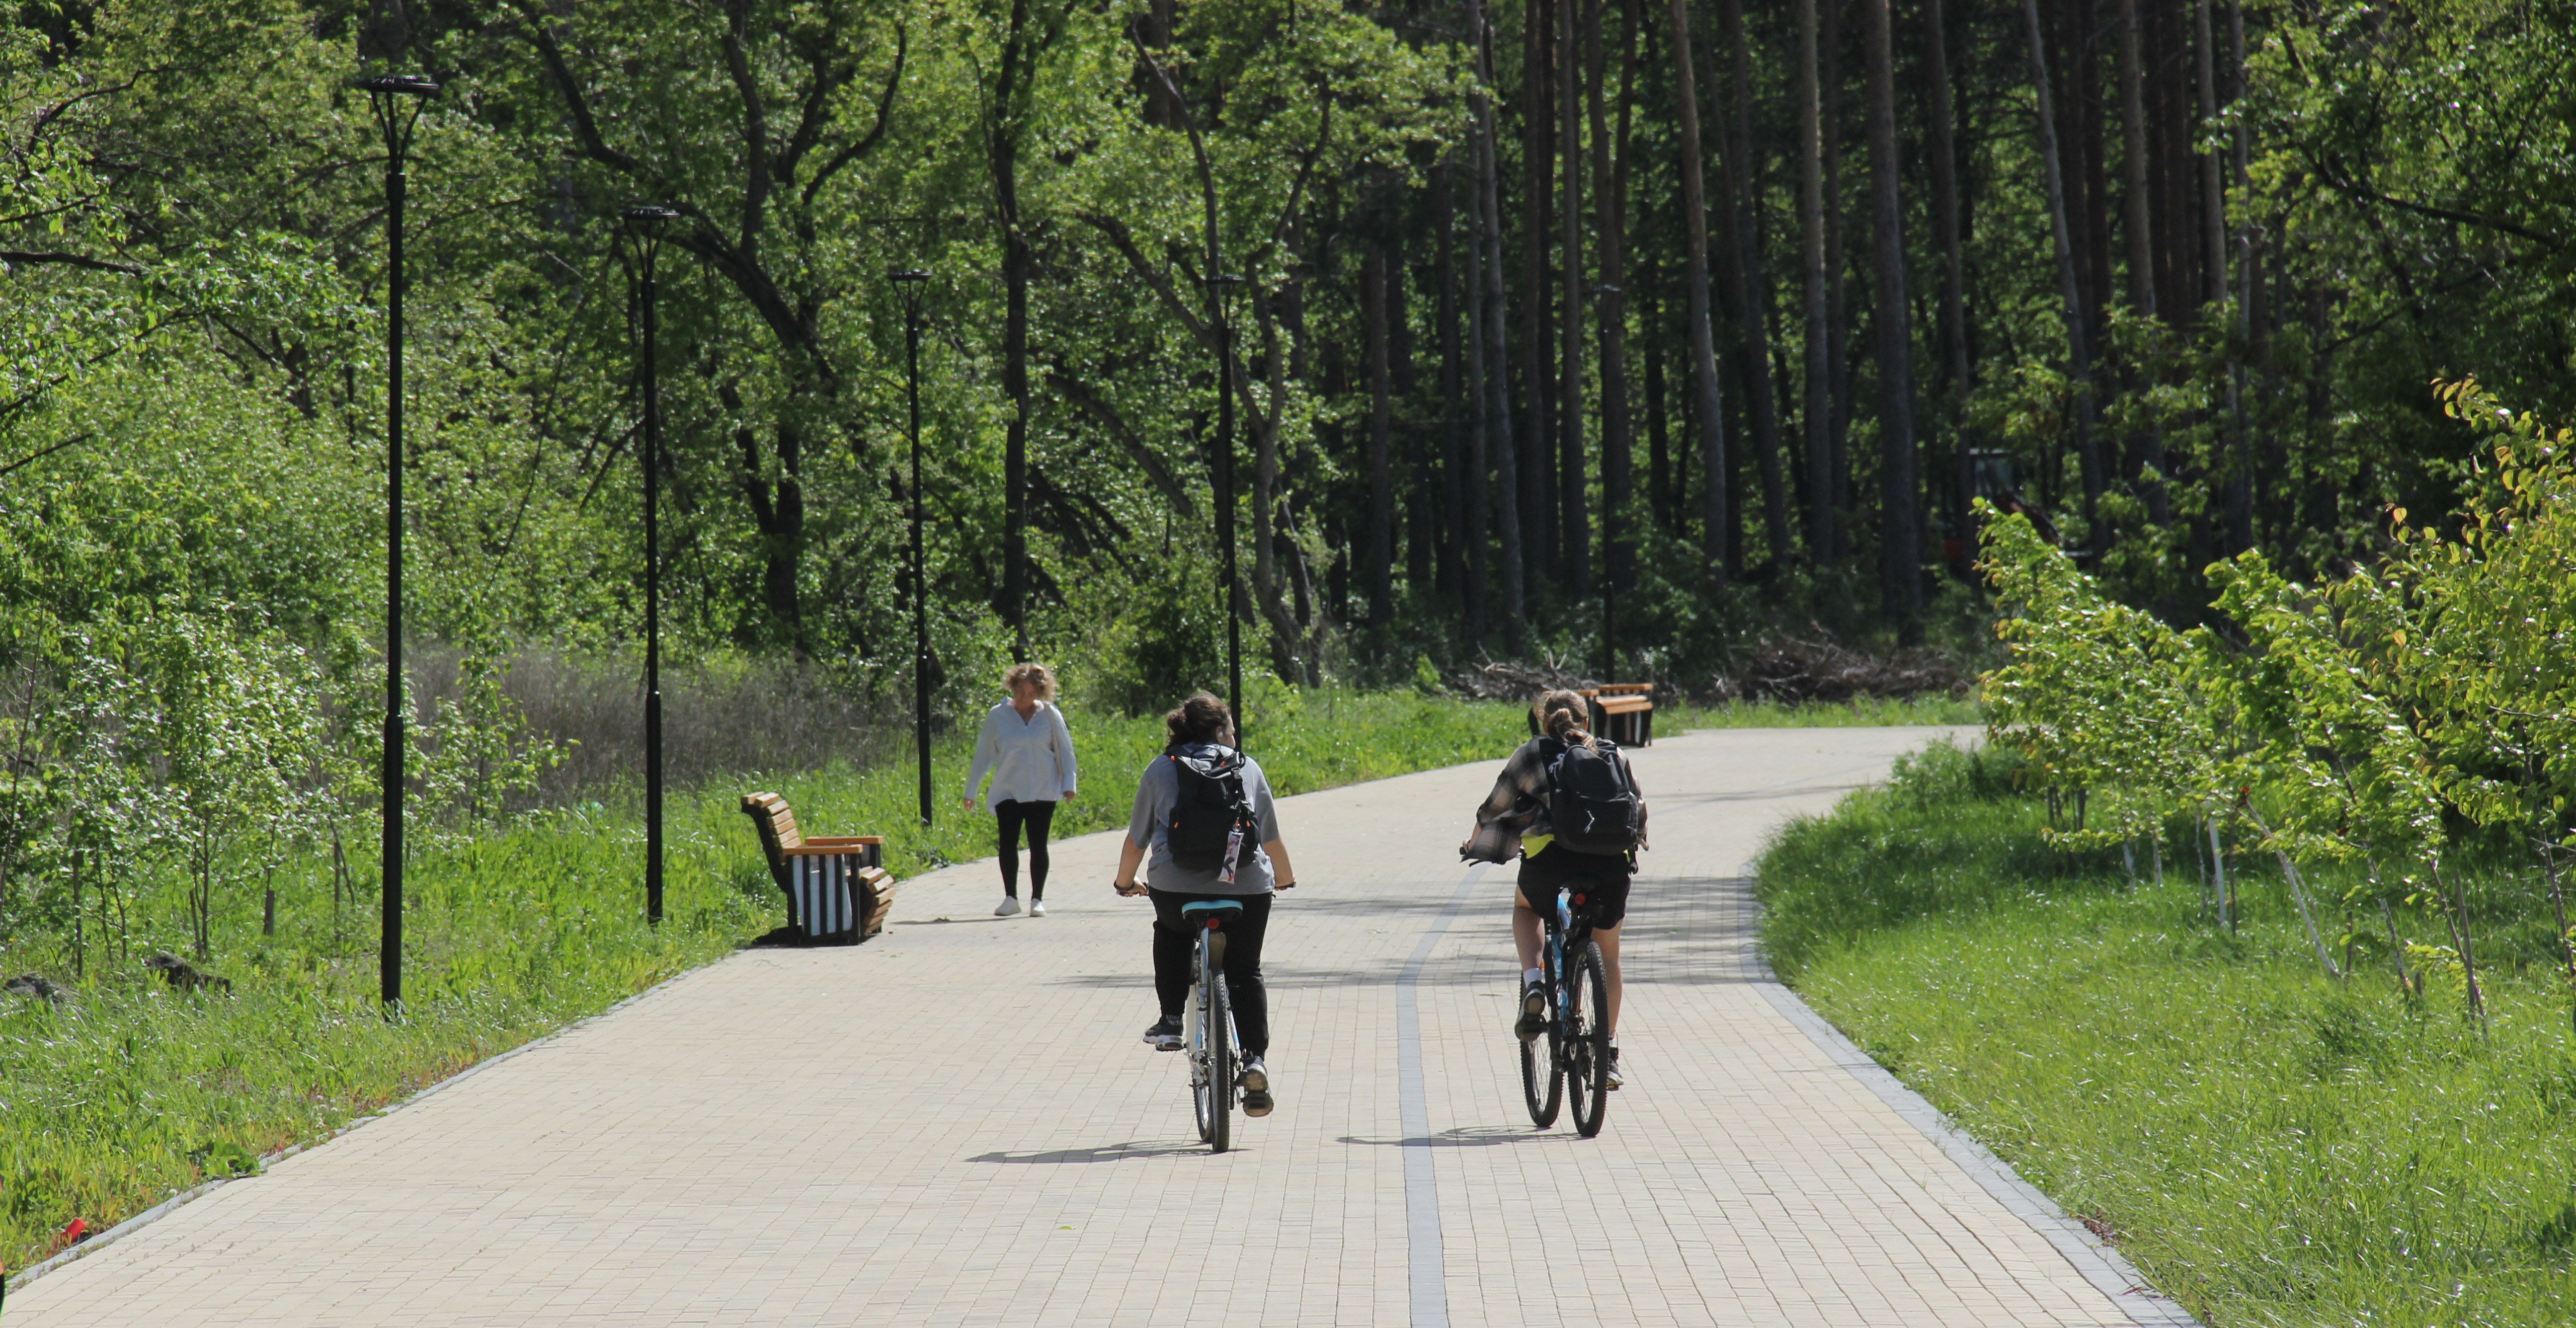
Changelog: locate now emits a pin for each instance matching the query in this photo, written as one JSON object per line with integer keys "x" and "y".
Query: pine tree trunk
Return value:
{"x": 1453, "y": 424}
{"x": 1610, "y": 224}
{"x": 1510, "y": 554}
{"x": 2080, "y": 363}
{"x": 1954, "y": 277}
{"x": 1819, "y": 407}
{"x": 1900, "y": 537}
{"x": 1380, "y": 554}
{"x": 1573, "y": 523}
{"x": 1838, "y": 350}
{"x": 1751, "y": 293}
{"x": 1703, "y": 348}
{"x": 1538, "y": 157}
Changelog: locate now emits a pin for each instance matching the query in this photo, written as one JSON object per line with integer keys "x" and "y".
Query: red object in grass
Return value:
{"x": 74, "y": 1234}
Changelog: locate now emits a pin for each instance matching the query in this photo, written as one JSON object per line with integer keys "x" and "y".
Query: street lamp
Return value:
{"x": 397, "y": 100}
{"x": 645, "y": 221}
{"x": 1218, "y": 283}
{"x": 908, "y": 284}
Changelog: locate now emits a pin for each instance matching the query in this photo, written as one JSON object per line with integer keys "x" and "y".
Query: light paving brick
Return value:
{"x": 955, "y": 1125}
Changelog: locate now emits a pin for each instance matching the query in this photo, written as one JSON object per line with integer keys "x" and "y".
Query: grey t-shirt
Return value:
{"x": 1150, "y": 824}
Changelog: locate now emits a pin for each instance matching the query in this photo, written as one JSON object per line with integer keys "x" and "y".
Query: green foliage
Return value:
{"x": 2269, "y": 1146}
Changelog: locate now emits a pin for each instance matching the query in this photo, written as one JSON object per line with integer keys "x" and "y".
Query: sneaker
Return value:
{"x": 1533, "y": 1019}
{"x": 1165, "y": 1035}
{"x": 1037, "y": 908}
{"x": 1010, "y": 904}
{"x": 1610, "y": 1071}
{"x": 1256, "y": 1087}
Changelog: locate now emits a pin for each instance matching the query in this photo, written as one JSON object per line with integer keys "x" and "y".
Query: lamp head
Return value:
{"x": 1604, "y": 288}
{"x": 909, "y": 275}
{"x": 1224, "y": 279}
{"x": 406, "y": 85}
{"x": 651, "y": 213}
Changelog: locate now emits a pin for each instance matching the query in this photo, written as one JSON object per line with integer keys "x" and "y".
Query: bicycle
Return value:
{"x": 1578, "y": 1026}
{"x": 1208, "y": 1025}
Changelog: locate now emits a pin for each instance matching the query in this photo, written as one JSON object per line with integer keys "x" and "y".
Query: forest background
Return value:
{"x": 1700, "y": 323}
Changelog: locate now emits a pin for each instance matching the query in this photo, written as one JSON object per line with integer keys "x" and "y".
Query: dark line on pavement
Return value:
{"x": 1427, "y": 1265}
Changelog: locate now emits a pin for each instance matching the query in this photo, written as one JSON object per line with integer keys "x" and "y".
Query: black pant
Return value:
{"x": 1036, "y": 816}
{"x": 1174, "y": 938}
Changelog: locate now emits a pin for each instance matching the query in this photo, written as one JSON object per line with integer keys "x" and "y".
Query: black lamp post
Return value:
{"x": 908, "y": 283}
{"x": 396, "y": 99}
{"x": 1217, "y": 284}
{"x": 645, "y": 221}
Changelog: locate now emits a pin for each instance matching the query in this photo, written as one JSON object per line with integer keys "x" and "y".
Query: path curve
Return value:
{"x": 955, "y": 1124}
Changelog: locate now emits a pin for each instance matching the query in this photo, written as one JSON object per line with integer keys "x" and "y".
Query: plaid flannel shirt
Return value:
{"x": 1517, "y": 808}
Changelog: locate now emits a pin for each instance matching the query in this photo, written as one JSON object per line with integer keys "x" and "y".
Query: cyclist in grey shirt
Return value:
{"x": 1202, "y": 734}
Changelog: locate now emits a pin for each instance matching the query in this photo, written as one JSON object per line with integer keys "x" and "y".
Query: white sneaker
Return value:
{"x": 1037, "y": 908}
{"x": 1010, "y": 905}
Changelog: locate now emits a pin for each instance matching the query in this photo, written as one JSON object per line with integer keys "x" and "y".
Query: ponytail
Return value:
{"x": 1560, "y": 715}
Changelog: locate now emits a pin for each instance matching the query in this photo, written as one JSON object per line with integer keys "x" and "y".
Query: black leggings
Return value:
{"x": 1036, "y": 816}
{"x": 1174, "y": 938}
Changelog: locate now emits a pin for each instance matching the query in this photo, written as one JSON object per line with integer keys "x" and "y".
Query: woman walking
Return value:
{"x": 1029, "y": 750}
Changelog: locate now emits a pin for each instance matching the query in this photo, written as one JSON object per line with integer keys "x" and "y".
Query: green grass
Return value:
{"x": 2271, "y": 1146}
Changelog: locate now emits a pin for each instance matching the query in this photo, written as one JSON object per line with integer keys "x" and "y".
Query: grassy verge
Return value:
{"x": 2269, "y": 1145}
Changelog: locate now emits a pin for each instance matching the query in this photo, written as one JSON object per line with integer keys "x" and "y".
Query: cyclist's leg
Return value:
{"x": 1037, "y": 816}
{"x": 1609, "y": 905}
{"x": 1527, "y": 930}
{"x": 1006, "y": 816}
{"x": 1243, "y": 934}
{"x": 1173, "y": 940}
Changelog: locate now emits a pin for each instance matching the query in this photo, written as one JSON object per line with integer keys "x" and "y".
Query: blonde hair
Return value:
{"x": 1036, "y": 675}
{"x": 1561, "y": 715}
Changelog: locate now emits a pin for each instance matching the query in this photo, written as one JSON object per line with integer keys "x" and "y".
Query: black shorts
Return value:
{"x": 1601, "y": 880}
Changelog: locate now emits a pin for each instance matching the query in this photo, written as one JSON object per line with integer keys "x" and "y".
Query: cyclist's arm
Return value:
{"x": 1130, "y": 855}
{"x": 1282, "y": 874}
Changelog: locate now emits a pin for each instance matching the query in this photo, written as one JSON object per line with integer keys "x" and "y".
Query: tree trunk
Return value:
{"x": 2133, "y": 164}
{"x": 1480, "y": 433}
{"x": 1811, "y": 228}
{"x": 1659, "y": 481}
{"x": 1510, "y": 554}
{"x": 1900, "y": 539}
{"x": 1453, "y": 424}
{"x": 1573, "y": 523}
{"x": 1015, "y": 332}
{"x": 1838, "y": 352}
{"x": 2080, "y": 363}
{"x": 1538, "y": 161}
{"x": 1611, "y": 145}
{"x": 1954, "y": 279}
{"x": 1744, "y": 278}
{"x": 1703, "y": 343}
{"x": 1380, "y": 553}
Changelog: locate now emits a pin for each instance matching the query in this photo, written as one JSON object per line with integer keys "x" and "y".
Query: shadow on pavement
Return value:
{"x": 1137, "y": 1148}
{"x": 1467, "y": 1136}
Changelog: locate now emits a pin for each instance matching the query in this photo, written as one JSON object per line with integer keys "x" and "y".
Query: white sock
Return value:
{"x": 1530, "y": 976}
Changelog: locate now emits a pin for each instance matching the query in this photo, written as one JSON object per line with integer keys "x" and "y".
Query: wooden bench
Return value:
{"x": 836, "y": 885}
{"x": 1623, "y": 712}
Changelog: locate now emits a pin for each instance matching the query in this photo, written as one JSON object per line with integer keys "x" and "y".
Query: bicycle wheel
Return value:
{"x": 1195, "y": 1050}
{"x": 1587, "y": 1041}
{"x": 1220, "y": 1065}
{"x": 1542, "y": 1069}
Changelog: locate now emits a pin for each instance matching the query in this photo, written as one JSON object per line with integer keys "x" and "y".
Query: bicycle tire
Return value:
{"x": 1220, "y": 1066}
{"x": 1588, "y": 1041}
{"x": 1542, "y": 1067}
{"x": 1194, "y": 1030}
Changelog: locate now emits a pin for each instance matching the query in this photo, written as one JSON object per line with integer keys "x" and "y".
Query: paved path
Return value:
{"x": 955, "y": 1124}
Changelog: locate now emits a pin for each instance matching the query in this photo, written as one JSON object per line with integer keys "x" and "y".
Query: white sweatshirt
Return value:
{"x": 1031, "y": 759}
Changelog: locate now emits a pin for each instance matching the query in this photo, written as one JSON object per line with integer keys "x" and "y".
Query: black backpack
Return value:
{"x": 1589, "y": 803}
{"x": 1207, "y": 807}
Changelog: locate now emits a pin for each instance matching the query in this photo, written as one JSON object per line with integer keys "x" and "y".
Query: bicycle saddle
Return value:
{"x": 1207, "y": 906}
